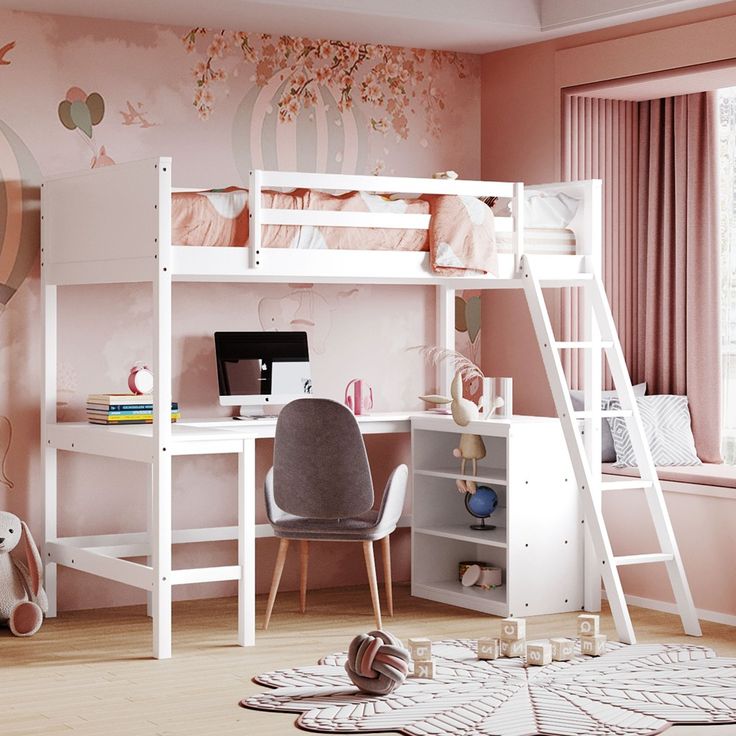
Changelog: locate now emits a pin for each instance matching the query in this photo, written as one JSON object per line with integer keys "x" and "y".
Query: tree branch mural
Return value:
{"x": 392, "y": 81}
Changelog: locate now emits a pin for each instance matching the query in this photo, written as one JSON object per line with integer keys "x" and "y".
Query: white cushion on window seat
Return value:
{"x": 708, "y": 474}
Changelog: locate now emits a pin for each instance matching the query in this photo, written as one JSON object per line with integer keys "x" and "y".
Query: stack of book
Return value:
{"x": 124, "y": 409}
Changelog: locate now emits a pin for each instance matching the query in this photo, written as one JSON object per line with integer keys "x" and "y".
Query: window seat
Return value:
{"x": 709, "y": 474}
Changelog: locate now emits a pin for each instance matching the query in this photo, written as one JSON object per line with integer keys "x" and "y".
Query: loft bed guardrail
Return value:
{"x": 114, "y": 225}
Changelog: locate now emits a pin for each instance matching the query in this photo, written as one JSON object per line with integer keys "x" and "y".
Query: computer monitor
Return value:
{"x": 259, "y": 369}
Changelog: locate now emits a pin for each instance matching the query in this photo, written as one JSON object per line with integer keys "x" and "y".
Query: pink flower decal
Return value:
{"x": 397, "y": 82}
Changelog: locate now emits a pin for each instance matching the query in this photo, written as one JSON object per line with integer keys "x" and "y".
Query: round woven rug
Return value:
{"x": 629, "y": 691}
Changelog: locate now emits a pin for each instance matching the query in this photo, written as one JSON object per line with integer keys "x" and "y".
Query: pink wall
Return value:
{"x": 218, "y": 103}
{"x": 521, "y": 140}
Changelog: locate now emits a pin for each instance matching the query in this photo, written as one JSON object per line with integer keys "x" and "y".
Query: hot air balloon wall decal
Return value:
{"x": 20, "y": 181}
{"x": 81, "y": 112}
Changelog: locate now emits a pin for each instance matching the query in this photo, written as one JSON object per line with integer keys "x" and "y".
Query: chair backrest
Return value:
{"x": 320, "y": 467}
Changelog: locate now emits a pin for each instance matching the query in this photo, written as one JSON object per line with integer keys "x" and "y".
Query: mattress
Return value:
{"x": 219, "y": 218}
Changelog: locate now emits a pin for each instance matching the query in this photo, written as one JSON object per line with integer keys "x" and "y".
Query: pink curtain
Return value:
{"x": 657, "y": 159}
{"x": 602, "y": 139}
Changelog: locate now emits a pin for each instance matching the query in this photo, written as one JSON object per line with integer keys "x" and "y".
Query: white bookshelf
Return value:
{"x": 538, "y": 539}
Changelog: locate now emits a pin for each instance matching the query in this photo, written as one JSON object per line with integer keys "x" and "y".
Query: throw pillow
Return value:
{"x": 608, "y": 451}
{"x": 666, "y": 421}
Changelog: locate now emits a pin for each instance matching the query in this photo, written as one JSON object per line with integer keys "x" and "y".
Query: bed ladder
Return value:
{"x": 603, "y": 337}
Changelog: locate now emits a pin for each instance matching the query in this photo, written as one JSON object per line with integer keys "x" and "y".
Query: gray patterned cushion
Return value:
{"x": 608, "y": 451}
{"x": 666, "y": 421}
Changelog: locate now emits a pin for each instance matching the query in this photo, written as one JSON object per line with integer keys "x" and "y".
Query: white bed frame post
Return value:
{"x": 161, "y": 507}
{"x": 590, "y": 245}
{"x": 149, "y": 532}
{"x": 49, "y": 349}
{"x": 445, "y": 336}
{"x": 518, "y": 215}
{"x": 255, "y": 205}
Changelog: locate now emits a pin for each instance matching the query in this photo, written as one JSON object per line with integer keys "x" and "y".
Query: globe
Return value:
{"x": 481, "y": 505}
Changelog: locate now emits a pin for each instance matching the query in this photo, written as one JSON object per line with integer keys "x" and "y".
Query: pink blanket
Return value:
{"x": 460, "y": 237}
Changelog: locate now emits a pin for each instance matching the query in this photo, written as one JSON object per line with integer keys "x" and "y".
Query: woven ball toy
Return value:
{"x": 377, "y": 662}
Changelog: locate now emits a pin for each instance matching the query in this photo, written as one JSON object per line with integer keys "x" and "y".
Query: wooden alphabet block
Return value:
{"x": 420, "y": 650}
{"x": 539, "y": 653}
{"x": 513, "y": 629}
{"x": 513, "y": 647}
{"x": 589, "y": 624}
{"x": 594, "y": 646}
{"x": 562, "y": 649}
{"x": 489, "y": 648}
{"x": 424, "y": 670}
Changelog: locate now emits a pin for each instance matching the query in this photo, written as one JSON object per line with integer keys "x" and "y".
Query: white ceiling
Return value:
{"x": 461, "y": 25}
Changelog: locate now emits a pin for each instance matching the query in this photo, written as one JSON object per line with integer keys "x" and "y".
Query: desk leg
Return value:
{"x": 161, "y": 543}
{"x": 247, "y": 544}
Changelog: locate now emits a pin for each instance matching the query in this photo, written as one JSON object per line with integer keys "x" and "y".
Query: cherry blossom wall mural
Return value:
{"x": 317, "y": 103}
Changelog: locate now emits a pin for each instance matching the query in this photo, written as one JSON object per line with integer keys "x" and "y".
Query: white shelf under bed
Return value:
{"x": 453, "y": 593}
{"x": 495, "y": 476}
{"x": 462, "y": 532}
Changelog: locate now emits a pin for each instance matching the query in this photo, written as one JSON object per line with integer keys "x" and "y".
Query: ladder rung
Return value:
{"x": 642, "y": 559}
{"x": 607, "y": 413}
{"x": 583, "y": 345}
{"x": 625, "y": 485}
{"x": 578, "y": 279}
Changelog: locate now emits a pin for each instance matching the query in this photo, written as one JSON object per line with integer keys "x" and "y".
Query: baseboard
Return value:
{"x": 715, "y": 617}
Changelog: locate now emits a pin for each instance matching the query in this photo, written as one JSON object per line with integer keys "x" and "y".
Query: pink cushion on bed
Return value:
{"x": 708, "y": 474}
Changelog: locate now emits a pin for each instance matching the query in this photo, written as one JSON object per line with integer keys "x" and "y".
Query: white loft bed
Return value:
{"x": 113, "y": 225}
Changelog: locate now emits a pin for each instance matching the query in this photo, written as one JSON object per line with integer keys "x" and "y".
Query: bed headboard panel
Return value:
{"x": 129, "y": 203}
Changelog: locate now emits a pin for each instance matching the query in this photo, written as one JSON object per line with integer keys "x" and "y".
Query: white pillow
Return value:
{"x": 549, "y": 210}
{"x": 666, "y": 421}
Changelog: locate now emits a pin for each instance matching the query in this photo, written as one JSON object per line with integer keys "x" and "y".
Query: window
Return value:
{"x": 727, "y": 195}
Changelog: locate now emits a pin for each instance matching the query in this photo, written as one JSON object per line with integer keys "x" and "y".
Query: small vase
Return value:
{"x": 486, "y": 400}
{"x": 504, "y": 388}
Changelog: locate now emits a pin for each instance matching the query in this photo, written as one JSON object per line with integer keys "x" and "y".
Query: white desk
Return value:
{"x": 106, "y": 555}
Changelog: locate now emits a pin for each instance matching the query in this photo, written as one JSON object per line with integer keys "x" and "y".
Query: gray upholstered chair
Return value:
{"x": 320, "y": 489}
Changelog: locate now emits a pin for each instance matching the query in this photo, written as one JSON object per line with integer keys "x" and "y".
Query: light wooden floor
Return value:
{"x": 89, "y": 673}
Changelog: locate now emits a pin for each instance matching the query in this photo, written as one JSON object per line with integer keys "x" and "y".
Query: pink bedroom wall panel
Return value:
{"x": 522, "y": 93}
{"x": 704, "y": 528}
{"x": 216, "y": 102}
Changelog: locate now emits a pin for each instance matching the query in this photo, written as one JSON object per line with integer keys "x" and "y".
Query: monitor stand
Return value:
{"x": 250, "y": 412}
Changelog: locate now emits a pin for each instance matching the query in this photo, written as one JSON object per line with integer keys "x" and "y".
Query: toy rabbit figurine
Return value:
{"x": 471, "y": 448}
{"x": 22, "y": 597}
{"x": 463, "y": 410}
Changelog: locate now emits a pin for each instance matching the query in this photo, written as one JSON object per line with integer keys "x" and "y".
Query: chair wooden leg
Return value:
{"x": 370, "y": 566}
{"x": 303, "y": 568}
{"x": 386, "y": 554}
{"x": 276, "y": 579}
